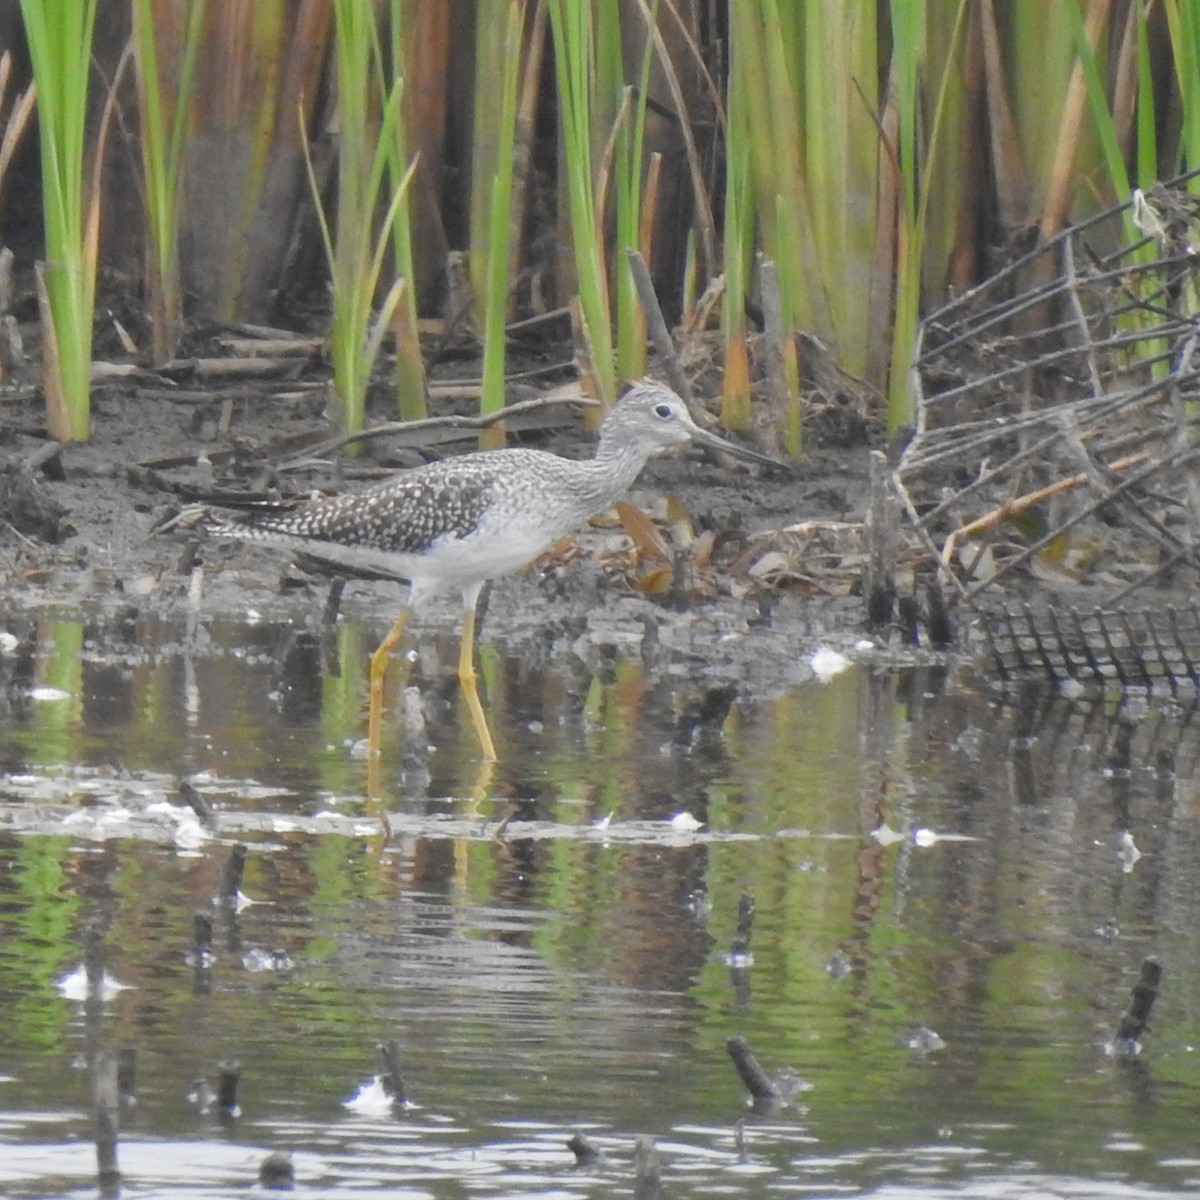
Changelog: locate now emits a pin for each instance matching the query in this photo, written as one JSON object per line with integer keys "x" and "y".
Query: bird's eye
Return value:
{"x": 664, "y": 411}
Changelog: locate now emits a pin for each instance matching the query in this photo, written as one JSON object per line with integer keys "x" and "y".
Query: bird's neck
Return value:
{"x": 613, "y": 471}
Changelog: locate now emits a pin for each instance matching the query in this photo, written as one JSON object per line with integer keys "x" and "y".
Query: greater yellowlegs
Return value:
{"x": 454, "y": 524}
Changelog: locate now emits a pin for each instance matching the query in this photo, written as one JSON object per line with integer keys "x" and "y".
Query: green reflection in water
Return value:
{"x": 341, "y": 718}
{"x": 38, "y": 917}
{"x": 55, "y": 724}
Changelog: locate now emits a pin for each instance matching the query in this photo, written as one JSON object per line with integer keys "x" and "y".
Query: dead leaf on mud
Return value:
{"x": 815, "y": 557}
{"x": 647, "y": 541}
{"x": 663, "y": 556}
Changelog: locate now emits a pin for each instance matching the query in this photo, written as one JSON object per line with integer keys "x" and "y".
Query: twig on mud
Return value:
{"x": 306, "y": 348}
{"x": 1118, "y": 403}
{"x": 1179, "y": 458}
{"x": 232, "y": 368}
{"x": 29, "y": 542}
{"x": 391, "y": 428}
{"x": 1006, "y": 511}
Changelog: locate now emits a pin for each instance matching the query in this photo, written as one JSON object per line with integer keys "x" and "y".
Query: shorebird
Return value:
{"x": 454, "y": 524}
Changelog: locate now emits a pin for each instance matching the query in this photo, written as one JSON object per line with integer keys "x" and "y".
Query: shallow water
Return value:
{"x": 553, "y": 954}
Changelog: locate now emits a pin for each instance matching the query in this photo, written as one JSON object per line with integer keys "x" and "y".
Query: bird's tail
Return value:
{"x": 190, "y": 518}
{"x": 231, "y": 519}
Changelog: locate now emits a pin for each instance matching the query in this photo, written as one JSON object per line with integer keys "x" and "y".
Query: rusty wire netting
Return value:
{"x": 1058, "y": 409}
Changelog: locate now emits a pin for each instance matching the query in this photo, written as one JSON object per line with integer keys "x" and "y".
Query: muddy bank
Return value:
{"x": 79, "y": 521}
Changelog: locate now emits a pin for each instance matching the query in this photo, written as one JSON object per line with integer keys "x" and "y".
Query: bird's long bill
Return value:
{"x": 703, "y": 438}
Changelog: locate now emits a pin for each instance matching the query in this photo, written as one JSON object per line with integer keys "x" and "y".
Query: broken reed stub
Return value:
{"x": 882, "y": 533}
{"x": 1136, "y": 1018}
{"x": 127, "y": 1074}
{"x": 202, "y": 934}
{"x": 647, "y": 1169}
{"x": 277, "y": 1172}
{"x": 757, "y": 1082}
{"x": 745, "y": 917}
{"x": 229, "y": 1074}
{"x": 585, "y": 1150}
{"x": 739, "y": 945}
{"x": 93, "y": 958}
{"x": 391, "y": 1077}
{"x": 198, "y": 803}
{"x": 231, "y": 876}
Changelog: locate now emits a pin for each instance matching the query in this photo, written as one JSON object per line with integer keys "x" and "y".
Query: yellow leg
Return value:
{"x": 470, "y": 685}
{"x": 379, "y": 665}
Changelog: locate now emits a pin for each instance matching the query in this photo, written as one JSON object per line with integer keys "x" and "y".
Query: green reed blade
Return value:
{"x": 499, "y": 228}
{"x": 571, "y": 28}
{"x": 410, "y": 366}
{"x": 60, "y": 41}
{"x": 162, "y": 150}
{"x": 356, "y": 249}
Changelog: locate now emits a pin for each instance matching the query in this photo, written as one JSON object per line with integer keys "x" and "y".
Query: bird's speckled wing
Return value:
{"x": 401, "y": 515}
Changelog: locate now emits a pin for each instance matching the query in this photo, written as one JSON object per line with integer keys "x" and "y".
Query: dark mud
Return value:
{"x": 78, "y": 533}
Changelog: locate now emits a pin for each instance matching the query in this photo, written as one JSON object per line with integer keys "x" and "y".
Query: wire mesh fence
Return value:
{"x": 1057, "y": 411}
{"x": 1053, "y": 463}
